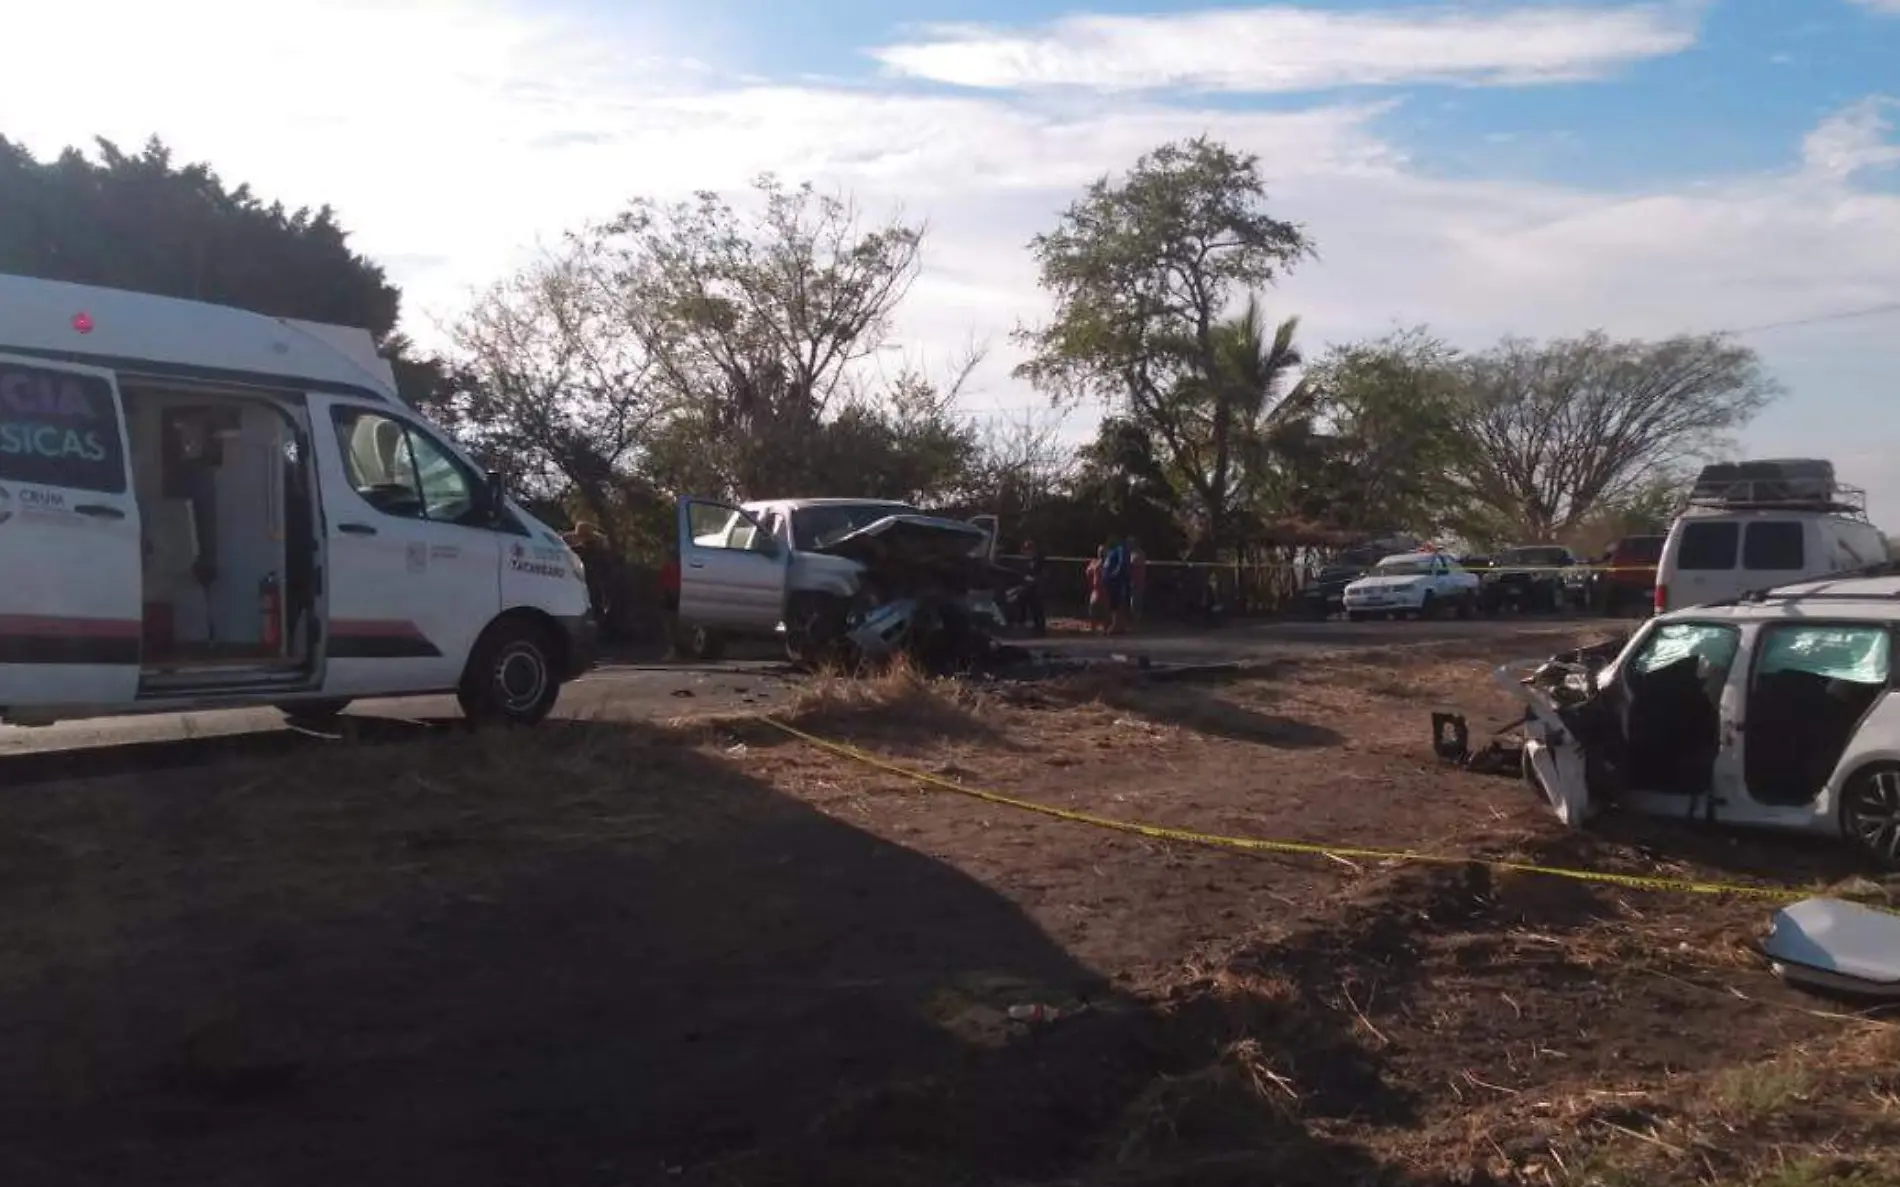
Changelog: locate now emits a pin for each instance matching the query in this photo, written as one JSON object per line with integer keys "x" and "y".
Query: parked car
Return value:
{"x": 1529, "y": 577}
{"x": 1624, "y": 579}
{"x": 1325, "y": 594}
{"x": 1412, "y": 585}
{"x": 1661, "y": 726}
{"x": 818, "y": 572}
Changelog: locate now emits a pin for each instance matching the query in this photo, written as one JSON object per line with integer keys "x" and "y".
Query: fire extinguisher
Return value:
{"x": 271, "y": 605}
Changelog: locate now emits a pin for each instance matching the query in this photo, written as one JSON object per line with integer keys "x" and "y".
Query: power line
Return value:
{"x": 1820, "y": 319}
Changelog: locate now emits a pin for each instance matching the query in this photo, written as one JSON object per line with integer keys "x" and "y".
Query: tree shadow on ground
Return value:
{"x": 1692, "y": 849}
{"x": 1200, "y": 707}
{"x": 583, "y": 954}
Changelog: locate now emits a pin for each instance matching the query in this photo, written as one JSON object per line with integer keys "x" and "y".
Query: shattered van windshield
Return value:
{"x": 1676, "y": 641}
{"x": 1858, "y": 654}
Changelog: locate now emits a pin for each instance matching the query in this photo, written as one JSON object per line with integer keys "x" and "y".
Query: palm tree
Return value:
{"x": 1242, "y": 411}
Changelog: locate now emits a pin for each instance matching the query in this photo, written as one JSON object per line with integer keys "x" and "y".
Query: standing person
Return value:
{"x": 1098, "y": 601}
{"x": 1032, "y": 608}
{"x": 1115, "y": 585}
{"x": 670, "y": 606}
{"x": 591, "y": 546}
{"x": 1137, "y": 580}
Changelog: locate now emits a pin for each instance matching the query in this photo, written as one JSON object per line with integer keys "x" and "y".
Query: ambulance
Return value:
{"x": 207, "y": 508}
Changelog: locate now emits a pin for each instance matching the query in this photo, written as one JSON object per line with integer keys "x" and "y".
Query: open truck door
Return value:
{"x": 733, "y": 572}
{"x": 993, "y": 528}
{"x": 71, "y": 600}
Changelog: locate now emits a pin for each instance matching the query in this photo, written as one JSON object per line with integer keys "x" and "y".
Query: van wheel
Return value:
{"x": 314, "y": 714}
{"x": 511, "y": 676}
{"x": 1870, "y": 814}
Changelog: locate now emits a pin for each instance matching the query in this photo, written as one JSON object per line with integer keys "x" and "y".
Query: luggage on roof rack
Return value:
{"x": 1776, "y": 482}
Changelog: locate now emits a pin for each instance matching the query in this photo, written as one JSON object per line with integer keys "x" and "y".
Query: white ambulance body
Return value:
{"x": 202, "y": 507}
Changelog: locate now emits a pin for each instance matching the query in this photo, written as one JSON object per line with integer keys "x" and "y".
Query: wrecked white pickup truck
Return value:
{"x": 837, "y": 579}
{"x": 1774, "y": 711}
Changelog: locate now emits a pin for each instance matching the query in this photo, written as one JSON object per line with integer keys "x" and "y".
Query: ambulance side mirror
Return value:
{"x": 494, "y": 496}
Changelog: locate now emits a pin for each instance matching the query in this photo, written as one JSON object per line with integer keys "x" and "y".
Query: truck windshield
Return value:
{"x": 816, "y": 527}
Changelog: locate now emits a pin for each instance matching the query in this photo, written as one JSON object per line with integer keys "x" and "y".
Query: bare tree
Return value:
{"x": 560, "y": 391}
{"x": 1559, "y": 429}
{"x": 756, "y": 321}
{"x": 1021, "y": 461}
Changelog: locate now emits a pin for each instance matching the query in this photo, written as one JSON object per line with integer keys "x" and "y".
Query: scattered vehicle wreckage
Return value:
{"x": 841, "y": 580}
{"x": 1772, "y": 711}
{"x": 1836, "y": 947}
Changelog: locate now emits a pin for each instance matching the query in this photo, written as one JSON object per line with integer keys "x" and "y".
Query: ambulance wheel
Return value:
{"x": 511, "y": 677}
{"x": 314, "y": 714}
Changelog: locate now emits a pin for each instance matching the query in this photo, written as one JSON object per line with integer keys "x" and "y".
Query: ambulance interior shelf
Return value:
{"x": 212, "y": 477}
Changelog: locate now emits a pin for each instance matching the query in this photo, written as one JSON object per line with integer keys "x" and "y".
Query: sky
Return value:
{"x": 1484, "y": 168}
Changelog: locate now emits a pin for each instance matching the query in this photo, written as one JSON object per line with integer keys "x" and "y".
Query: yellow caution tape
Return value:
{"x": 1261, "y": 845}
{"x": 1279, "y": 566}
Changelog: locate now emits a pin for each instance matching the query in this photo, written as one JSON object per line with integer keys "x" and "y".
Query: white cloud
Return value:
{"x": 1299, "y": 49}
{"x": 450, "y": 136}
{"x": 1855, "y": 139}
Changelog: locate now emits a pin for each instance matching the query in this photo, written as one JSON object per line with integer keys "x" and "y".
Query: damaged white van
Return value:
{"x": 203, "y": 508}
{"x": 1774, "y": 711}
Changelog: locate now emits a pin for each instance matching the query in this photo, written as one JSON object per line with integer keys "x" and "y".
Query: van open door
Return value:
{"x": 71, "y": 616}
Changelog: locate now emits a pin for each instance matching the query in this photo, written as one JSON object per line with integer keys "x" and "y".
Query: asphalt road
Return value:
{"x": 667, "y": 690}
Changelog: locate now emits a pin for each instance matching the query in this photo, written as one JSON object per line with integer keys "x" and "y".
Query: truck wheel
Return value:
{"x": 319, "y": 715}
{"x": 1870, "y": 814}
{"x": 701, "y": 644}
{"x": 815, "y": 630}
{"x": 511, "y": 676}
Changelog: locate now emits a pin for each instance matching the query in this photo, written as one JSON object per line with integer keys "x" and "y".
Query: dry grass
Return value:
{"x": 1271, "y": 1017}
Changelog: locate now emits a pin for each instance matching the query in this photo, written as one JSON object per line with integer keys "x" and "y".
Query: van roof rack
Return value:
{"x": 1749, "y": 495}
{"x": 1780, "y": 484}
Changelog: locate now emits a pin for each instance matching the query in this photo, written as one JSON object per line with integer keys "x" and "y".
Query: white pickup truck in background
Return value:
{"x": 820, "y": 572}
{"x": 1413, "y": 584}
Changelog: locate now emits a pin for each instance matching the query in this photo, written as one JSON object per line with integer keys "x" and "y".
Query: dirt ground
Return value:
{"x": 706, "y": 953}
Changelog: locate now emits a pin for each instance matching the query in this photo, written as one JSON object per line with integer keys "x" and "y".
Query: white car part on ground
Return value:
{"x": 1836, "y": 946}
